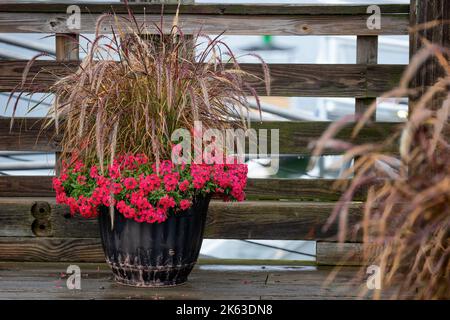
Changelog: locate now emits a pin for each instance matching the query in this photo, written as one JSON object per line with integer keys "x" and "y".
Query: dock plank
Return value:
{"x": 48, "y": 281}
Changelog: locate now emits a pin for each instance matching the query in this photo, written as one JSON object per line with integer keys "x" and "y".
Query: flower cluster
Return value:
{"x": 144, "y": 191}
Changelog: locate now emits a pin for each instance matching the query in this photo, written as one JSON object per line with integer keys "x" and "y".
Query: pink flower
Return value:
{"x": 166, "y": 202}
{"x": 57, "y": 185}
{"x": 116, "y": 188}
{"x": 184, "y": 185}
{"x": 130, "y": 183}
{"x": 114, "y": 172}
{"x": 81, "y": 180}
{"x": 138, "y": 200}
{"x": 165, "y": 167}
{"x": 72, "y": 203}
{"x": 149, "y": 183}
{"x": 127, "y": 211}
{"x": 185, "y": 204}
{"x": 93, "y": 172}
{"x": 78, "y": 166}
{"x": 61, "y": 198}
{"x": 171, "y": 181}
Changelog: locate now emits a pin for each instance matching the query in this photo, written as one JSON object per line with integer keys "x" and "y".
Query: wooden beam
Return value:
{"x": 423, "y": 12}
{"x": 67, "y": 49}
{"x": 282, "y": 220}
{"x": 267, "y": 189}
{"x": 366, "y": 53}
{"x": 345, "y": 254}
{"x": 28, "y": 134}
{"x": 60, "y": 6}
{"x": 315, "y": 80}
{"x": 233, "y": 24}
{"x": 294, "y": 136}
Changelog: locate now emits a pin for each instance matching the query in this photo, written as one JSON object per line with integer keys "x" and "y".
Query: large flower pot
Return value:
{"x": 154, "y": 254}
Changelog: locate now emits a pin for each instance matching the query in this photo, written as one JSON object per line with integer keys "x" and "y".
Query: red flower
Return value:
{"x": 184, "y": 185}
{"x": 166, "y": 202}
{"x": 149, "y": 183}
{"x": 130, "y": 183}
{"x": 93, "y": 172}
{"x": 78, "y": 166}
{"x": 171, "y": 181}
{"x": 57, "y": 185}
{"x": 116, "y": 188}
{"x": 81, "y": 180}
{"x": 114, "y": 172}
{"x": 185, "y": 204}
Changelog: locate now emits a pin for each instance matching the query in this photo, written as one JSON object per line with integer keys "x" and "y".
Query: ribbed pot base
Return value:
{"x": 144, "y": 277}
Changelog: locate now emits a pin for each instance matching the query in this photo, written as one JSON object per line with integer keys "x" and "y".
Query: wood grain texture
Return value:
{"x": 48, "y": 281}
{"x": 51, "y": 249}
{"x": 327, "y": 80}
{"x": 28, "y": 217}
{"x": 267, "y": 189}
{"x": 345, "y": 254}
{"x": 435, "y": 14}
{"x": 60, "y": 6}
{"x": 294, "y": 136}
{"x": 233, "y": 24}
{"x": 367, "y": 53}
{"x": 67, "y": 49}
{"x": 27, "y": 134}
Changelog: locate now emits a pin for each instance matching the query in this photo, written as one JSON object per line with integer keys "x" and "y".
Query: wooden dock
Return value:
{"x": 209, "y": 280}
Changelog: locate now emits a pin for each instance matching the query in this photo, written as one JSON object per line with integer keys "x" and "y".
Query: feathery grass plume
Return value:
{"x": 406, "y": 215}
{"x": 144, "y": 83}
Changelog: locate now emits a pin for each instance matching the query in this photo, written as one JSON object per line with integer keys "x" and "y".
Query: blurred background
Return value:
{"x": 273, "y": 49}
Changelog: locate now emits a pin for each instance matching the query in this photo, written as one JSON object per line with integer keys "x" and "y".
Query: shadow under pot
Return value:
{"x": 154, "y": 254}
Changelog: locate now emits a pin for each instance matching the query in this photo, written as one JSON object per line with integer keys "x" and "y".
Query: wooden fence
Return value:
{"x": 34, "y": 228}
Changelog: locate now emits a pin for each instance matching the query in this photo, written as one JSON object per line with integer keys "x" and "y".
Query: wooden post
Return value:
{"x": 366, "y": 53}
{"x": 421, "y": 12}
{"x": 67, "y": 48}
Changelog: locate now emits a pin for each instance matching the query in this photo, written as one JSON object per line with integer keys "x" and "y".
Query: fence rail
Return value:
{"x": 213, "y": 19}
{"x": 295, "y": 136}
{"x": 313, "y": 80}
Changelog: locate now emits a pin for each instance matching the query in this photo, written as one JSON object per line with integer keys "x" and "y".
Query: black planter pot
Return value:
{"x": 154, "y": 254}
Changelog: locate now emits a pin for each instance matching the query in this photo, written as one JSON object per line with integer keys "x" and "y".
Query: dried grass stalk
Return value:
{"x": 138, "y": 88}
{"x": 407, "y": 211}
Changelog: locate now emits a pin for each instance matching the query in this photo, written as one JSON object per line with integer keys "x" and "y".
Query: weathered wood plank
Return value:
{"x": 299, "y": 189}
{"x": 294, "y": 136}
{"x": 327, "y": 80}
{"x": 366, "y": 52}
{"x": 67, "y": 49}
{"x": 27, "y": 134}
{"x": 346, "y": 254}
{"x": 28, "y": 217}
{"x": 233, "y": 24}
{"x": 51, "y": 249}
{"x": 48, "y": 281}
{"x": 60, "y": 6}
{"x": 434, "y": 15}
